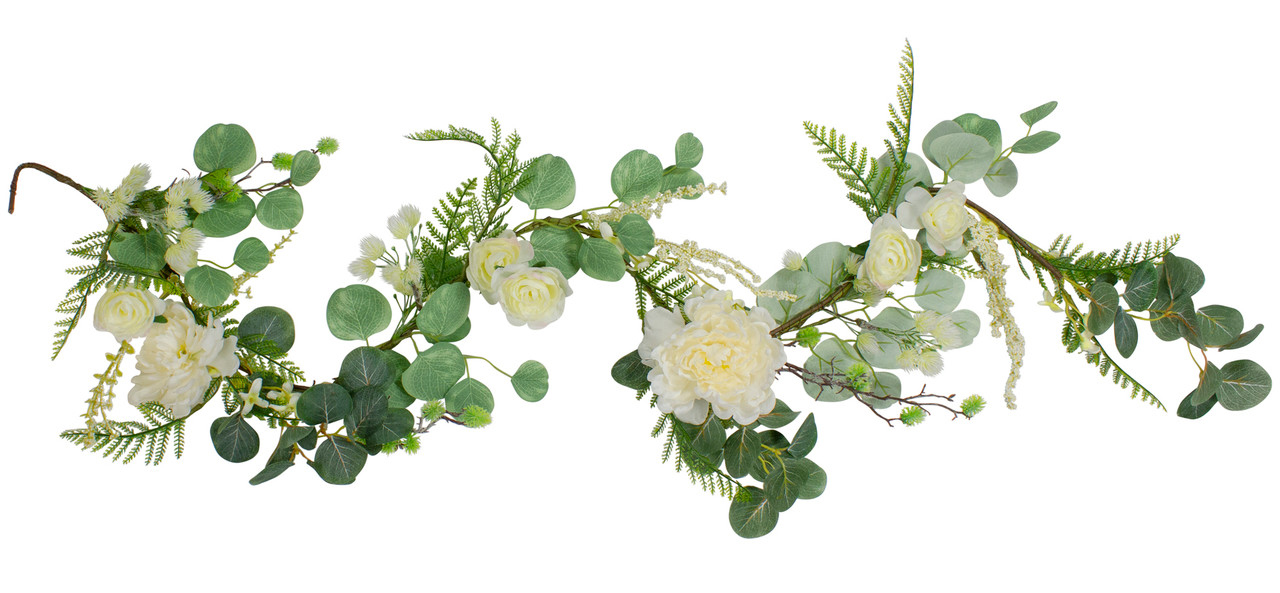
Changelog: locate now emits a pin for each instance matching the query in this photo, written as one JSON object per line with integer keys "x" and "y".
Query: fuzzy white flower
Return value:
{"x": 396, "y": 277}
{"x": 533, "y": 296}
{"x": 372, "y": 248}
{"x": 909, "y": 359}
{"x": 723, "y": 358}
{"x": 253, "y": 398}
{"x": 362, "y": 268}
{"x": 943, "y": 216}
{"x": 175, "y": 217}
{"x": 792, "y": 260}
{"x": 929, "y": 362}
{"x": 892, "y": 256}
{"x": 413, "y": 272}
{"x": 180, "y": 258}
{"x": 179, "y": 359}
{"x": 187, "y": 192}
{"x": 948, "y": 334}
{"x": 404, "y": 221}
{"x": 852, "y": 263}
{"x": 114, "y": 207}
{"x": 190, "y": 239}
{"x": 126, "y": 313}
{"x": 490, "y": 254}
{"x": 134, "y": 182}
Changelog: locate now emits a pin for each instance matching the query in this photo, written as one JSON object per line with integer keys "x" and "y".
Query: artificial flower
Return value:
{"x": 533, "y": 296}
{"x": 490, "y": 254}
{"x": 179, "y": 359}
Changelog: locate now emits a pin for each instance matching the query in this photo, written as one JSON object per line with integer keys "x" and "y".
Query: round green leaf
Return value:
{"x": 305, "y": 167}
{"x": 1001, "y": 178}
{"x": 965, "y": 157}
{"x": 445, "y": 310}
{"x": 939, "y": 290}
{"x": 970, "y": 325}
{"x": 208, "y": 285}
{"x": 600, "y": 260}
{"x": 678, "y": 177}
{"x": 688, "y": 150}
{"x": 227, "y": 217}
{"x": 740, "y": 451}
{"x": 234, "y": 439}
{"x": 323, "y": 403}
{"x": 1179, "y": 277}
{"x": 1210, "y": 382}
{"x": 751, "y": 516}
{"x": 225, "y": 146}
{"x": 806, "y": 437}
{"x": 434, "y": 372}
{"x": 816, "y": 483}
{"x": 832, "y": 356}
{"x": 557, "y": 248}
{"x": 339, "y": 461}
{"x": 944, "y": 128}
{"x": 797, "y": 282}
{"x": 981, "y": 126}
{"x": 1190, "y": 411}
{"x": 782, "y": 486}
{"x": 1244, "y": 385}
{"x": 395, "y": 425}
{"x": 368, "y": 408}
{"x": 826, "y": 263}
{"x": 272, "y": 323}
{"x": 252, "y": 255}
{"x": 140, "y": 250}
{"x": 357, "y": 312}
{"x": 365, "y": 367}
{"x": 636, "y": 175}
{"x": 547, "y": 183}
{"x": 1140, "y": 290}
{"x": 635, "y": 234}
{"x": 1126, "y": 333}
{"x": 631, "y": 372}
{"x": 280, "y": 209}
{"x": 1219, "y": 325}
{"x": 1103, "y": 304}
{"x": 530, "y": 381}
{"x": 780, "y": 416}
{"x": 468, "y": 392}
{"x": 457, "y": 336}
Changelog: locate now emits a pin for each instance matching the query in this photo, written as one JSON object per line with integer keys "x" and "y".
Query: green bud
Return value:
{"x": 808, "y": 337}
{"x": 433, "y": 410}
{"x": 327, "y": 146}
{"x": 475, "y": 417}
{"x": 912, "y": 415}
{"x": 282, "y": 161}
{"x": 972, "y": 405}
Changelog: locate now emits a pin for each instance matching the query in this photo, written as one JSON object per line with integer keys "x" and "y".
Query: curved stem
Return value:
{"x": 13, "y": 185}
{"x": 1016, "y": 239}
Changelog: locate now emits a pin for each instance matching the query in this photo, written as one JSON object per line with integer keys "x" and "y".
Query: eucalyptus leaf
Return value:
{"x": 708, "y": 438}
{"x": 530, "y": 381}
{"x": 969, "y": 323}
{"x": 944, "y": 128}
{"x": 677, "y": 177}
{"x": 1126, "y": 333}
{"x": 365, "y": 367}
{"x": 273, "y": 323}
{"x": 227, "y": 217}
{"x": 252, "y": 255}
{"x": 688, "y": 150}
{"x": 1191, "y": 411}
{"x": 306, "y": 165}
{"x": 780, "y": 416}
{"x": 208, "y": 285}
{"x": 1243, "y": 339}
{"x": 752, "y": 516}
{"x": 1031, "y": 116}
{"x": 1103, "y": 304}
{"x": 434, "y": 372}
{"x": 826, "y": 263}
{"x": 395, "y": 425}
{"x": 324, "y": 403}
{"x": 339, "y": 461}
{"x": 234, "y": 439}
{"x": 271, "y": 472}
{"x": 815, "y": 483}
{"x": 368, "y": 408}
{"x": 1140, "y": 291}
{"x": 636, "y": 175}
{"x": 939, "y": 291}
{"x": 357, "y": 312}
{"x": 1210, "y": 383}
{"x": 1179, "y": 276}
{"x": 600, "y": 260}
{"x": 280, "y": 209}
{"x": 558, "y": 248}
{"x": 981, "y": 126}
{"x": 547, "y": 183}
{"x": 468, "y": 392}
{"x": 631, "y": 372}
{"x": 635, "y": 234}
{"x": 445, "y": 310}
{"x": 1036, "y": 142}
{"x": 225, "y": 146}
{"x": 782, "y": 486}
{"x": 965, "y": 157}
{"x": 139, "y": 250}
{"x": 1244, "y": 385}
{"x": 806, "y": 437}
{"x": 1219, "y": 325}
{"x": 1001, "y": 178}
{"x": 797, "y": 282}
{"x": 740, "y": 451}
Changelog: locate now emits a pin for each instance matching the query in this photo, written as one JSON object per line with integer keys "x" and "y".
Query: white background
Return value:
{"x": 1167, "y": 122}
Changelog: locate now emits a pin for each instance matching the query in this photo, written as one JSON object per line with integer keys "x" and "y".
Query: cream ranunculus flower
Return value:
{"x": 179, "y": 359}
{"x": 126, "y": 313}
{"x": 892, "y": 256}
{"x": 943, "y": 217}
{"x": 724, "y": 357}
{"x": 490, "y": 254}
{"x": 530, "y": 295}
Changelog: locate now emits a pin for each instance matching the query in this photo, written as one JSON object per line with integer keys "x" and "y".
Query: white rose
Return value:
{"x": 530, "y": 295}
{"x": 179, "y": 359}
{"x": 126, "y": 313}
{"x": 491, "y": 254}
{"x": 892, "y": 256}
{"x": 943, "y": 217}
{"x": 723, "y": 358}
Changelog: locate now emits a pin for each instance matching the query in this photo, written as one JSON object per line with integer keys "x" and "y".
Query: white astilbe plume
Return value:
{"x": 688, "y": 257}
{"x": 651, "y": 206}
{"x": 985, "y": 237}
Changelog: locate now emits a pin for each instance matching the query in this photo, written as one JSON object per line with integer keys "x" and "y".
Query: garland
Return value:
{"x": 863, "y": 317}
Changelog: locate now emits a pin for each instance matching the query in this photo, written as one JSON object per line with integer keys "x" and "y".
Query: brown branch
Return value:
{"x": 922, "y": 400}
{"x": 790, "y": 324}
{"x": 13, "y": 185}
{"x": 1018, "y": 241}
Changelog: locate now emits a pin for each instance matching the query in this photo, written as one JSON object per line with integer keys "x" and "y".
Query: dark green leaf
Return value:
{"x": 369, "y": 407}
{"x": 306, "y": 165}
{"x": 1126, "y": 333}
{"x": 339, "y": 461}
{"x": 323, "y": 403}
{"x": 225, "y": 146}
{"x": 816, "y": 483}
{"x": 364, "y": 367}
{"x": 1103, "y": 304}
{"x": 708, "y": 437}
{"x": 1036, "y": 142}
{"x": 741, "y": 450}
{"x": 1244, "y": 385}
{"x": 1210, "y": 382}
{"x": 752, "y": 517}
{"x": 1140, "y": 291}
{"x": 144, "y": 251}
{"x": 1219, "y": 325}
{"x": 445, "y": 310}
{"x": 271, "y": 472}
{"x": 1190, "y": 411}
{"x": 234, "y": 439}
{"x": 806, "y": 437}
{"x": 782, "y": 486}
{"x": 468, "y": 392}
{"x": 780, "y": 416}
{"x": 395, "y": 425}
{"x": 630, "y": 372}
{"x": 273, "y": 323}
{"x": 1243, "y": 339}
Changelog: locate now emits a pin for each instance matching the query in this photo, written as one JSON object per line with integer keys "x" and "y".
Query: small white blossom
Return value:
{"x": 134, "y": 182}
{"x": 413, "y": 272}
{"x": 403, "y": 222}
{"x": 253, "y": 398}
{"x": 1048, "y": 302}
{"x": 190, "y": 239}
{"x": 395, "y": 276}
{"x": 180, "y": 259}
{"x": 175, "y": 217}
{"x": 930, "y": 362}
{"x": 362, "y": 268}
{"x": 792, "y": 260}
{"x": 372, "y": 248}
{"x": 289, "y": 406}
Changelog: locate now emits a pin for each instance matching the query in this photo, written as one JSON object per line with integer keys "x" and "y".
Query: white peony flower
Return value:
{"x": 490, "y": 254}
{"x": 892, "y": 256}
{"x": 533, "y": 296}
{"x": 724, "y": 357}
{"x": 179, "y": 359}
{"x": 126, "y": 313}
{"x": 403, "y": 222}
{"x": 943, "y": 217}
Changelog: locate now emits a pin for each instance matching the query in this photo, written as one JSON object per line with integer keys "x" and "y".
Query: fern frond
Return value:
{"x": 1085, "y": 267}
{"x": 125, "y": 441}
{"x": 850, "y": 163}
{"x": 1107, "y": 366}
{"x": 900, "y": 127}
